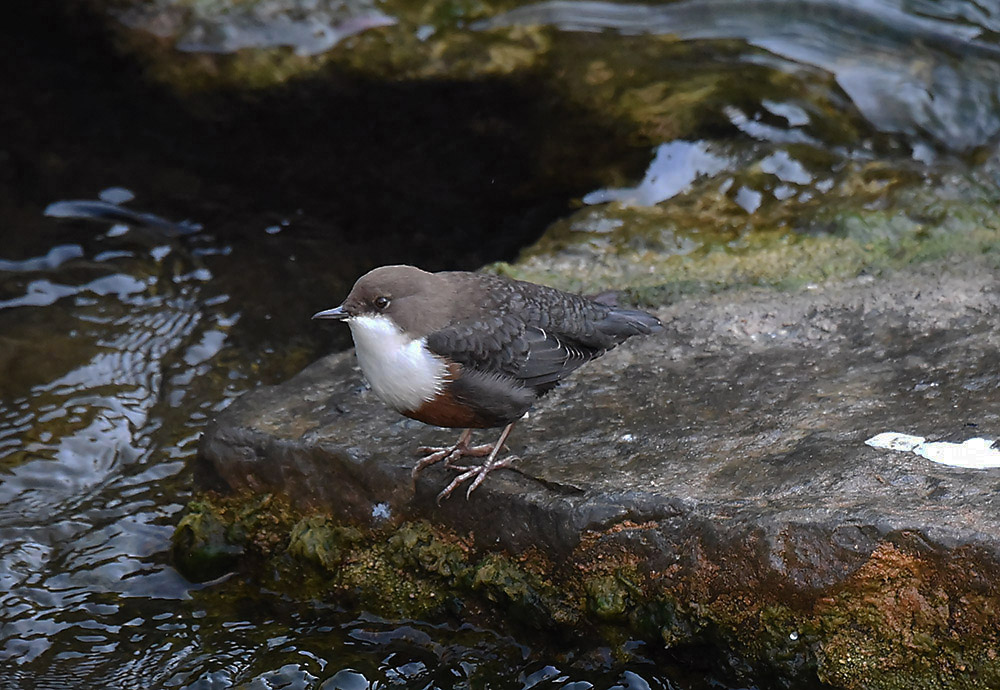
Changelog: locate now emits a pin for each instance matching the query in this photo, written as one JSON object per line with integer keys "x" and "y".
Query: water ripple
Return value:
{"x": 85, "y": 461}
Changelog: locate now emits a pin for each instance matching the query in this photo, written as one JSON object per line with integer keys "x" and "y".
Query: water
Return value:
{"x": 919, "y": 69}
{"x": 118, "y": 345}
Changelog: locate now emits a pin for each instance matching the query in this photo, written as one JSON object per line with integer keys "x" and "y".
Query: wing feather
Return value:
{"x": 536, "y": 336}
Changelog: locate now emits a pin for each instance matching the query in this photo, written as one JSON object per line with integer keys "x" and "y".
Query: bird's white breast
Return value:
{"x": 401, "y": 370}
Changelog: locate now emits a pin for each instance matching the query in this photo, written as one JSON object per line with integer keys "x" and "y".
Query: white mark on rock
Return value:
{"x": 974, "y": 453}
{"x": 381, "y": 511}
{"x": 892, "y": 440}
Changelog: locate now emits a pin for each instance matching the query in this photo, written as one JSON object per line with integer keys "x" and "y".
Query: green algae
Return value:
{"x": 606, "y": 598}
{"x": 613, "y": 597}
{"x": 319, "y": 540}
{"x": 428, "y": 40}
{"x": 411, "y": 569}
{"x": 655, "y": 254}
{"x": 663, "y": 89}
{"x": 527, "y": 596}
{"x": 205, "y": 545}
{"x": 902, "y": 621}
{"x": 905, "y": 619}
{"x": 217, "y": 533}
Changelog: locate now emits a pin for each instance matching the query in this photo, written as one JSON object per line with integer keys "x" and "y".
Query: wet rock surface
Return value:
{"x": 722, "y": 462}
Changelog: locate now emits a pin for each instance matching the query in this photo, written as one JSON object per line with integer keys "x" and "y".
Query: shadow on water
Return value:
{"x": 116, "y": 346}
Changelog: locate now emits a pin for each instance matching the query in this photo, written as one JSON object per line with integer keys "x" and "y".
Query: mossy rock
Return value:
{"x": 205, "y": 543}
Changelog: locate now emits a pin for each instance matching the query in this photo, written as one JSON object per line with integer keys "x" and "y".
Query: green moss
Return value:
{"x": 415, "y": 545}
{"x": 206, "y": 544}
{"x": 613, "y": 597}
{"x": 408, "y": 571}
{"x": 652, "y": 257}
{"x": 216, "y": 533}
{"x": 520, "y": 592}
{"x": 908, "y": 622}
{"x": 319, "y": 539}
{"x": 379, "y": 586}
{"x": 671, "y": 618}
{"x": 606, "y": 598}
{"x": 903, "y": 620}
{"x": 392, "y": 52}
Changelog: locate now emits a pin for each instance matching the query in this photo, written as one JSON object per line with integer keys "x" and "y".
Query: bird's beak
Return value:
{"x": 336, "y": 313}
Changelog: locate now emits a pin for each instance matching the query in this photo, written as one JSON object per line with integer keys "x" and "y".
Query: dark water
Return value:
{"x": 117, "y": 345}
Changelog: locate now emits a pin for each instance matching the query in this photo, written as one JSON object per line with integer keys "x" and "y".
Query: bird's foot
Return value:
{"x": 475, "y": 472}
{"x": 449, "y": 453}
{"x": 461, "y": 449}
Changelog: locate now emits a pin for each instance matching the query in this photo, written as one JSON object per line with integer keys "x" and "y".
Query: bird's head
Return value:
{"x": 414, "y": 301}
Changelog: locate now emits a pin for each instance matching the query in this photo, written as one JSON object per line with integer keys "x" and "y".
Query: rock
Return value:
{"x": 205, "y": 545}
{"x": 701, "y": 240}
{"x": 707, "y": 486}
{"x": 259, "y": 43}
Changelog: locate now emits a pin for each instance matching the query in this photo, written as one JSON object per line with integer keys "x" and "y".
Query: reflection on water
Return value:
{"x": 923, "y": 70}
{"x": 675, "y": 166}
{"x": 103, "y": 345}
{"x": 112, "y": 211}
{"x": 310, "y": 27}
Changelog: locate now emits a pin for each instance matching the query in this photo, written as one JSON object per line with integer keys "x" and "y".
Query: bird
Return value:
{"x": 473, "y": 351}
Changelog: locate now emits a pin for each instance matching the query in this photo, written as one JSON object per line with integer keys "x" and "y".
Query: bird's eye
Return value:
{"x": 381, "y": 303}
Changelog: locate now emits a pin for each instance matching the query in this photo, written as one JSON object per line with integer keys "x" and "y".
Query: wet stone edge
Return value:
{"x": 909, "y": 616}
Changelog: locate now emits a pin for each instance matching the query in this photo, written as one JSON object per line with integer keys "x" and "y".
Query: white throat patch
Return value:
{"x": 403, "y": 373}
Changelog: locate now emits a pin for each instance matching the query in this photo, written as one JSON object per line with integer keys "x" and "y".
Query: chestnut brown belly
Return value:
{"x": 445, "y": 410}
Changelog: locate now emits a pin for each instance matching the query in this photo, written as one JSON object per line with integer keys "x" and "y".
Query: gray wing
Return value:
{"x": 538, "y": 336}
{"x": 534, "y": 357}
{"x": 553, "y": 354}
{"x": 550, "y": 358}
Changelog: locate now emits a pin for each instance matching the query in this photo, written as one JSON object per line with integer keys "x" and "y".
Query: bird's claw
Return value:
{"x": 467, "y": 472}
{"x": 462, "y": 449}
{"x": 434, "y": 455}
{"x": 457, "y": 450}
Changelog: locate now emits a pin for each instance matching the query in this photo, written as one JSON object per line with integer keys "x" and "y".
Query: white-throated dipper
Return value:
{"x": 473, "y": 351}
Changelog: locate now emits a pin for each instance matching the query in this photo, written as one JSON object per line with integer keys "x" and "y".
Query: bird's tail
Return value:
{"x": 624, "y": 323}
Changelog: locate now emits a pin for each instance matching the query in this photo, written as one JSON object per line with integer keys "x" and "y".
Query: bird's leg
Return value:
{"x": 479, "y": 471}
{"x": 460, "y": 449}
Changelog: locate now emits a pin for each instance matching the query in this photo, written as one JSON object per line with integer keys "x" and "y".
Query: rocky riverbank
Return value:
{"x": 706, "y": 488}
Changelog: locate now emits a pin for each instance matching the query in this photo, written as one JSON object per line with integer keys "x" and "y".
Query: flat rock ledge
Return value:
{"x": 707, "y": 488}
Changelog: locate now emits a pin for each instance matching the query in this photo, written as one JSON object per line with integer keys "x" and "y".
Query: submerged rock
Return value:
{"x": 708, "y": 486}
